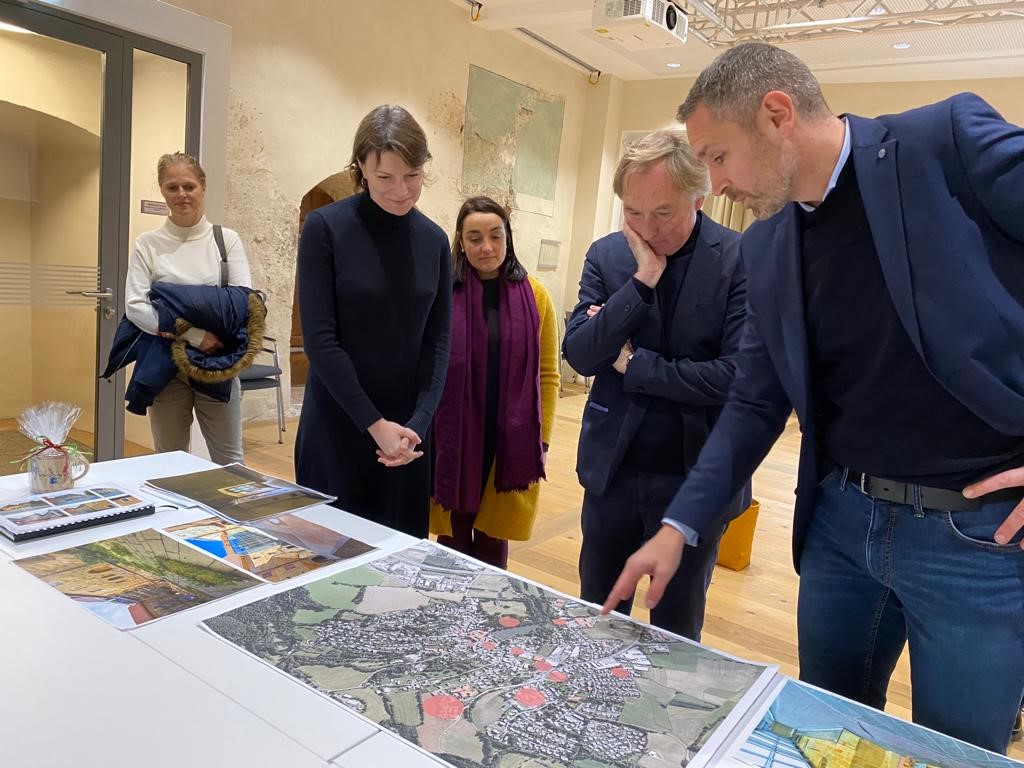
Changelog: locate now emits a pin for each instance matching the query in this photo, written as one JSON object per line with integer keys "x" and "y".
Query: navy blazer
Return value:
{"x": 943, "y": 188}
{"x": 695, "y": 374}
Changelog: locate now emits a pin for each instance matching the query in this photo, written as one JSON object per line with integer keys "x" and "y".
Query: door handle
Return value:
{"x": 104, "y": 294}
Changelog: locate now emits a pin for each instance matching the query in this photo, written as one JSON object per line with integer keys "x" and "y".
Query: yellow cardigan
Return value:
{"x": 510, "y": 515}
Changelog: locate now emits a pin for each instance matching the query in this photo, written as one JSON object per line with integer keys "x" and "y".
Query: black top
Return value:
{"x": 492, "y": 315}
{"x": 658, "y": 446}
{"x": 877, "y": 406}
{"x": 375, "y": 301}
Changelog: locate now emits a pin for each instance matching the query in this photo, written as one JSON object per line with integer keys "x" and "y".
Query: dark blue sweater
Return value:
{"x": 876, "y": 404}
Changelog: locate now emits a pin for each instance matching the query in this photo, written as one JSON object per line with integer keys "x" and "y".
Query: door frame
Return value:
{"x": 118, "y": 46}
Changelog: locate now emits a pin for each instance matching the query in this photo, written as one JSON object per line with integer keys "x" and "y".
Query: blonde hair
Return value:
{"x": 687, "y": 172}
{"x": 179, "y": 158}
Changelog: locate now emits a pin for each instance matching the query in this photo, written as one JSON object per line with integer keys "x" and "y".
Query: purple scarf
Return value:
{"x": 459, "y": 420}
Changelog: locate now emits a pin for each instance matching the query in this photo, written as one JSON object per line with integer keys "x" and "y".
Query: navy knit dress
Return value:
{"x": 375, "y": 300}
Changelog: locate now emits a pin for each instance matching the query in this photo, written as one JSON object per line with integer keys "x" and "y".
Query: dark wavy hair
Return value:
{"x": 511, "y": 270}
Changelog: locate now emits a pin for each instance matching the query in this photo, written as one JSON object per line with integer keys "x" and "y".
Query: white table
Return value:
{"x": 324, "y": 726}
{"x": 386, "y": 749}
{"x": 80, "y": 692}
{"x": 77, "y": 692}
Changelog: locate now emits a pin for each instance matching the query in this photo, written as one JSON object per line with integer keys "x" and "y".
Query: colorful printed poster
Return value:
{"x": 257, "y": 552}
{"x": 133, "y": 579}
{"x": 806, "y": 727}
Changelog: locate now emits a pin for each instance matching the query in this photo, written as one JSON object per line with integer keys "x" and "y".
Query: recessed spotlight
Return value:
{"x": 673, "y": 65}
{"x": 877, "y": 11}
{"x": 901, "y": 46}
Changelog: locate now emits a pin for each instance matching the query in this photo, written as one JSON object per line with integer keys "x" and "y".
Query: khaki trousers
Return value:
{"x": 170, "y": 419}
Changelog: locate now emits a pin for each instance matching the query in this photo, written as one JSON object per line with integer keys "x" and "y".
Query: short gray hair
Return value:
{"x": 733, "y": 85}
{"x": 687, "y": 172}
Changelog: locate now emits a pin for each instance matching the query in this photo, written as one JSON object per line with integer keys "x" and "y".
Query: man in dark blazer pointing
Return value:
{"x": 658, "y": 323}
{"x": 886, "y": 307}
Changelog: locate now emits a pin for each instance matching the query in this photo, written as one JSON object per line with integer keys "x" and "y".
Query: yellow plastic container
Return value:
{"x": 734, "y": 551}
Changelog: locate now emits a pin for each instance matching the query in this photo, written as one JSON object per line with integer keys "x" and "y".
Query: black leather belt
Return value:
{"x": 931, "y": 498}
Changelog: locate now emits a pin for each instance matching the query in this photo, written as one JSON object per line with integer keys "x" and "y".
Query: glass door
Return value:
{"x": 85, "y": 111}
{"x": 59, "y": 139}
{"x": 159, "y": 125}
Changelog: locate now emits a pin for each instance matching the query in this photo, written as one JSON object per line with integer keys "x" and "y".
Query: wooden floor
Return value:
{"x": 751, "y": 613}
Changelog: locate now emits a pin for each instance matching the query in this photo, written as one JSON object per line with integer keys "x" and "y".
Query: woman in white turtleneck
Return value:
{"x": 184, "y": 251}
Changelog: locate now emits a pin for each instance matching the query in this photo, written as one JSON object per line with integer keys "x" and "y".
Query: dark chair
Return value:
{"x": 259, "y": 376}
{"x": 586, "y": 379}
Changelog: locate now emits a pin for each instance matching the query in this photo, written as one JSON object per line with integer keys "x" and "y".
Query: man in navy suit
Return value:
{"x": 886, "y": 307}
{"x": 658, "y": 326}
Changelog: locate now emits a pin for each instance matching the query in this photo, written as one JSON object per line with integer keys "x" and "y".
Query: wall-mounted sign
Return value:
{"x": 156, "y": 207}
{"x": 548, "y": 258}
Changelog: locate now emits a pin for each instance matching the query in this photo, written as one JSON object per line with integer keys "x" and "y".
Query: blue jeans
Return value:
{"x": 875, "y": 574}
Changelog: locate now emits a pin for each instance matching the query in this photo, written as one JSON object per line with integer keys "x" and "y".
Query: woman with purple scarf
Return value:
{"x": 493, "y": 425}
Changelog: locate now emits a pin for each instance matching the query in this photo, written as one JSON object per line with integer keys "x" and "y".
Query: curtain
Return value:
{"x": 727, "y": 213}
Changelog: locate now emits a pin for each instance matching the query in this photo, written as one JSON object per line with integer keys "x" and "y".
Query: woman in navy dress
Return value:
{"x": 374, "y": 280}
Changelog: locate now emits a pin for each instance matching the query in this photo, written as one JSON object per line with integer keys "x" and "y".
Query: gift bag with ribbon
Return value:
{"x": 56, "y": 463}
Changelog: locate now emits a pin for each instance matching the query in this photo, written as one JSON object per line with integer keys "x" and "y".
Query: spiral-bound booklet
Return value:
{"x": 46, "y": 514}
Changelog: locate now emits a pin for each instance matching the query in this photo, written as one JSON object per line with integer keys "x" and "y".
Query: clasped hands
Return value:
{"x": 396, "y": 444}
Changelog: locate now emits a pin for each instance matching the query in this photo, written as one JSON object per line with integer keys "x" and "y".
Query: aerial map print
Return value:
{"x": 481, "y": 668}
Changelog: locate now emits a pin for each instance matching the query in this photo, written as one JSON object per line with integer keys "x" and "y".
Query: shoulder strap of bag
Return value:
{"x": 218, "y": 235}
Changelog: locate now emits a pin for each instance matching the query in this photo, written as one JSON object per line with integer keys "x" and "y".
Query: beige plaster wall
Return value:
{"x": 598, "y": 157}
{"x": 65, "y": 234}
{"x": 64, "y": 78}
{"x": 165, "y": 22}
{"x": 158, "y": 126}
{"x": 15, "y": 255}
{"x": 49, "y": 221}
{"x": 18, "y": 161}
{"x": 302, "y": 76}
{"x": 649, "y": 104}
{"x": 652, "y": 104}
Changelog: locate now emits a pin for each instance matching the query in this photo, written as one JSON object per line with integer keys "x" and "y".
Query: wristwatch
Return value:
{"x": 628, "y": 358}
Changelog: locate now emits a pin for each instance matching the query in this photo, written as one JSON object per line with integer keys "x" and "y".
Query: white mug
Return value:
{"x": 52, "y": 470}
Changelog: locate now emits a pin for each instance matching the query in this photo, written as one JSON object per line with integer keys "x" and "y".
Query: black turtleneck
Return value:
{"x": 658, "y": 446}
{"x": 384, "y": 346}
{"x": 390, "y": 236}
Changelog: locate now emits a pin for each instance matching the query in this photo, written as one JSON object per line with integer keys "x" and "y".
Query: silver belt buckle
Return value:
{"x": 863, "y": 490}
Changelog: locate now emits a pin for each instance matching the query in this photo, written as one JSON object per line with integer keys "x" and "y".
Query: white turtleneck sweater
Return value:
{"x": 181, "y": 255}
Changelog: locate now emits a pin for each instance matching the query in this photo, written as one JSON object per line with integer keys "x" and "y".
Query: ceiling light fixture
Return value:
{"x": 901, "y": 46}
{"x": 877, "y": 11}
{"x": 673, "y": 65}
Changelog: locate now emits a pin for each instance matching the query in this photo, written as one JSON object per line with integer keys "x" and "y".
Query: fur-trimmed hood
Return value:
{"x": 234, "y": 314}
{"x": 241, "y": 342}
